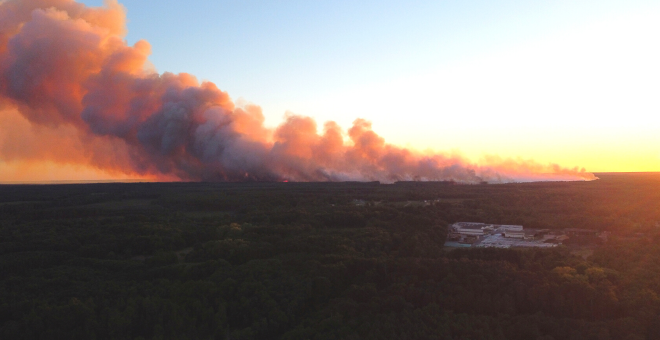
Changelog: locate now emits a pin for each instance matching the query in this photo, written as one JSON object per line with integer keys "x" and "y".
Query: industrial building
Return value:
{"x": 471, "y": 228}
{"x": 477, "y": 234}
{"x": 509, "y": 227}
{"x": 514, "y": 233}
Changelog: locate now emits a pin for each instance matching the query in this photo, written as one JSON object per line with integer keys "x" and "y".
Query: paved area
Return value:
{"x": 499, "y": 241}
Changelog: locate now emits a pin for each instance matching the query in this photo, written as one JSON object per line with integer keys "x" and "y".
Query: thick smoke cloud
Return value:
{"x": 91, "y": 99}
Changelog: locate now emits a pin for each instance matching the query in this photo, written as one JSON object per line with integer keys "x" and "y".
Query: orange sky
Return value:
{"x": 544, "y": 109}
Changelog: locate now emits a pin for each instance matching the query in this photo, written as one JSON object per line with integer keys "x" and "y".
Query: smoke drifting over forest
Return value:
{"x": 73, "y": 92}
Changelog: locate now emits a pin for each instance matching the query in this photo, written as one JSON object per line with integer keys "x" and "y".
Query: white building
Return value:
{"x": 479, "y": 229}
{"x": 511, "y": 227}
{"x": 471, "y": 231}
{"x": 514, "y": 234}
{"x": 471, "y": 228}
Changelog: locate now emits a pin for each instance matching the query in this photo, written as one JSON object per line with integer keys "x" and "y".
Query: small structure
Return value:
{"x": 514, "y": 234}
{"x": 471, "y": 239}
{"x": 538, "y": 234}
{"x": 452, "y": 236}
{"x": 511, "y": 227}
{"x": 470, "y": 228}
{"x": 471, "y": 231}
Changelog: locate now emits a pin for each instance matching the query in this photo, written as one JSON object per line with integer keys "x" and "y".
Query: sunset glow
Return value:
{"x": 554, "y": 99}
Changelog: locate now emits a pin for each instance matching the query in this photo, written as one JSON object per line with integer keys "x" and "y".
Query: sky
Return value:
{"x": 568, "y": 82}
{"x": 571, "y": 82}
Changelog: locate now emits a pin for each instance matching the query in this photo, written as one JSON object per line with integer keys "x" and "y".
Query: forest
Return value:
{"x": 349, "y": 260}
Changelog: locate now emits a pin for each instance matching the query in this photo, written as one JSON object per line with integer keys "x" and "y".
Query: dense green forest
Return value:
{"x": 325, "y": 261}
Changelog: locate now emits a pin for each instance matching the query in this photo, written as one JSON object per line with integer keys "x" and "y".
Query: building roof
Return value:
{"x": 472, "y": 227}
{"x": 469, "y": 223}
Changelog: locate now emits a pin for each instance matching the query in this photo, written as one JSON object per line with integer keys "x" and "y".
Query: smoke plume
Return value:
{"x": 73, "y": 92}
